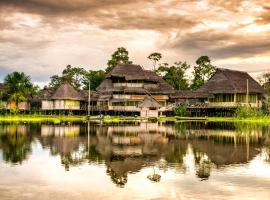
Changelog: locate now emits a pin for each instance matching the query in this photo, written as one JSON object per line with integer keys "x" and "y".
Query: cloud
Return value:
{"x": 219, "y": 44}
{"x": 113, "y": 14}
{"x": 41, "y": 37}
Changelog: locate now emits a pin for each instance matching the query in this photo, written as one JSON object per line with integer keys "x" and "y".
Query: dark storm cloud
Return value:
{"x": 110, "y": 14}
{"x": 221, "y": 44}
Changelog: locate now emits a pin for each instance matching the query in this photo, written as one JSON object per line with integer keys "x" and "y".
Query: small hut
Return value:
{"x": 149, "y": 107}
{"x": 66, "y": 97}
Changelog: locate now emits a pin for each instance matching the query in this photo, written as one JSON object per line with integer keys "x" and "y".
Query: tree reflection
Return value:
{"x": 16, "y": 144}
{"x": 118, "y": 179}
{"x": 203, "y": 164}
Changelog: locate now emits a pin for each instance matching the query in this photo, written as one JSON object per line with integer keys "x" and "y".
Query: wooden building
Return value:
{"x": 126, "y": 86}
{"x": 231, "y": 89}
{"x": 64, "y": 98}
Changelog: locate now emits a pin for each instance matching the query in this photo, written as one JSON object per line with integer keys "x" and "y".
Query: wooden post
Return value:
{"x": 89, "y": 100}
{"x": 247, "y": 98}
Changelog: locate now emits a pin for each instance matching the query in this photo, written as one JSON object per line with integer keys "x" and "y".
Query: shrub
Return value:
{"x": 181, "y": 111}
{"x": 246, "y": 112}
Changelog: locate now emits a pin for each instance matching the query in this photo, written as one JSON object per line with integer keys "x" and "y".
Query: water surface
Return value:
{"x": 134, "y": 161}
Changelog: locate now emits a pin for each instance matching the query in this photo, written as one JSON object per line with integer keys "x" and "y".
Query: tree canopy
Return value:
{"x": 74, "y": 75}
{"x": 155, "y": 57}
{"x": 120, "y": 56}
{"x": 95, "y": 78}
{"x": 19, "y": 86}
{"x": 202, "y": 72}
{"x": 175, "y": 75}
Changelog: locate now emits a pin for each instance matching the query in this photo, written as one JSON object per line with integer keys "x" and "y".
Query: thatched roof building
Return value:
{"x": 149, "y": 102}
{"x": 66, "y": 92}
{"x": 134, "y": 74}
{"x": 231, "y": 81}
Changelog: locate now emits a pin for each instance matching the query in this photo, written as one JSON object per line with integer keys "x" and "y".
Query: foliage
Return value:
{"x": 202, "y": 72}
{"x": 95, "y": 77}
{"x": 18, "y": 87}
{"x": 155, "y": 57}
{"x": 181, "y": 111}
{"x": 175, "y": 75}
{"x": 246, "y": 112}
{"x": 119, "y": 56}
{"x": 73, "y": 75}
{"x": 265, "y": 81}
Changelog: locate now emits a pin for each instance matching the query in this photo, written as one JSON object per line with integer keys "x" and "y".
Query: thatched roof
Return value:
{"x": 180, "y": 94}
{"x": 93, "y": 95}
{"x": 66, "y": 92}
{"x": 45, "y": 94}
{"x": 134, "y": 72}
{"x": 129, "y": 72}
{"x": 231, "y": 81}
{"x": 149, "y": 102}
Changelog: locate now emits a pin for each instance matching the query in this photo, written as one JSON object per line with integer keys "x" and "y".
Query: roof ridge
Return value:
{"x": 232, "y": 70}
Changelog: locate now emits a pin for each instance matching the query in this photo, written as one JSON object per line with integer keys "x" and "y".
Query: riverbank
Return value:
{"x": 122, "y": 119}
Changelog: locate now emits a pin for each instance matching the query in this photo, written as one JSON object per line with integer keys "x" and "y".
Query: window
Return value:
{"x": 223, "y": 98}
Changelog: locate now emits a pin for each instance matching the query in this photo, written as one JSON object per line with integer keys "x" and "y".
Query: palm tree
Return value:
{"x": 19, "y": 87}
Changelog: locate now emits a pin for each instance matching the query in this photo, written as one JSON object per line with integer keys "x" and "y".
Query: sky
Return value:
{"x": 41, "y": 37}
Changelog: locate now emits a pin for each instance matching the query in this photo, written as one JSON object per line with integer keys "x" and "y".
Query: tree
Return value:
{"x": 155, "y": 57}
{"x": 95, "y": 78}
{"x": 74, "y": 75}
{"x": 119, "y": 56}
{"x": 265, "y": 81}
{"x": 202, "y": 72}
{"x": 175, "y": 75}
{"x": 19, "y": 87}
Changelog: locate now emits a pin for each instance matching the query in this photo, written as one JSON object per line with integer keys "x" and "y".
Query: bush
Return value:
{"x": 181, "y": 111}
{"x": 246, "y": 112}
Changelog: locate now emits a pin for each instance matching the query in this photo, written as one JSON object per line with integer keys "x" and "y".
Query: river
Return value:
{"x": 189, "y": 160}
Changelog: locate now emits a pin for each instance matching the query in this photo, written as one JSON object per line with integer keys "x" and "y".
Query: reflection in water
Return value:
{"x": 124, "y": 150}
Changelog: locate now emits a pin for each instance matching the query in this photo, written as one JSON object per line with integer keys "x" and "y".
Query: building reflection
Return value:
{"x": 127, "y": 149}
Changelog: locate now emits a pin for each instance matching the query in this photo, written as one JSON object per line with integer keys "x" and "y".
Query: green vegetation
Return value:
{"x": 120, "y": 56}
{"x": 181, "y": 111}
{"x": 41, "y": 118}
{"x": 18, "y": 87}
{"x": 175, "y": 75}
{"x": 155, "y": 57}
{"x": 247, "y": 112}
{"x": 123, "y": 119}
{"x": 203, "y": 71}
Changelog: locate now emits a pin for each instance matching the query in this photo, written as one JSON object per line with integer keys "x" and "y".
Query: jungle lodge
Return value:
{"x": 131, "y": 90}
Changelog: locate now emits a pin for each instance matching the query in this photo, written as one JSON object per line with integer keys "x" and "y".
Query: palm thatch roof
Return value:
{"x": 45, "y": 94}
{"x": 231, "y": 81}
{"x": 67, "y": 92}
{"x": 149, "y": 102}
{"x": 129, "y": 72}
{"x": 93, "y": 95}
{"x": 134, "y": 72}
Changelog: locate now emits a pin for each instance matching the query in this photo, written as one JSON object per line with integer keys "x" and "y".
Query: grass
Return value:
{"x": 261, "y": 120}
{"x": 41, "y": 118}
{"x": 122, "y": 119}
